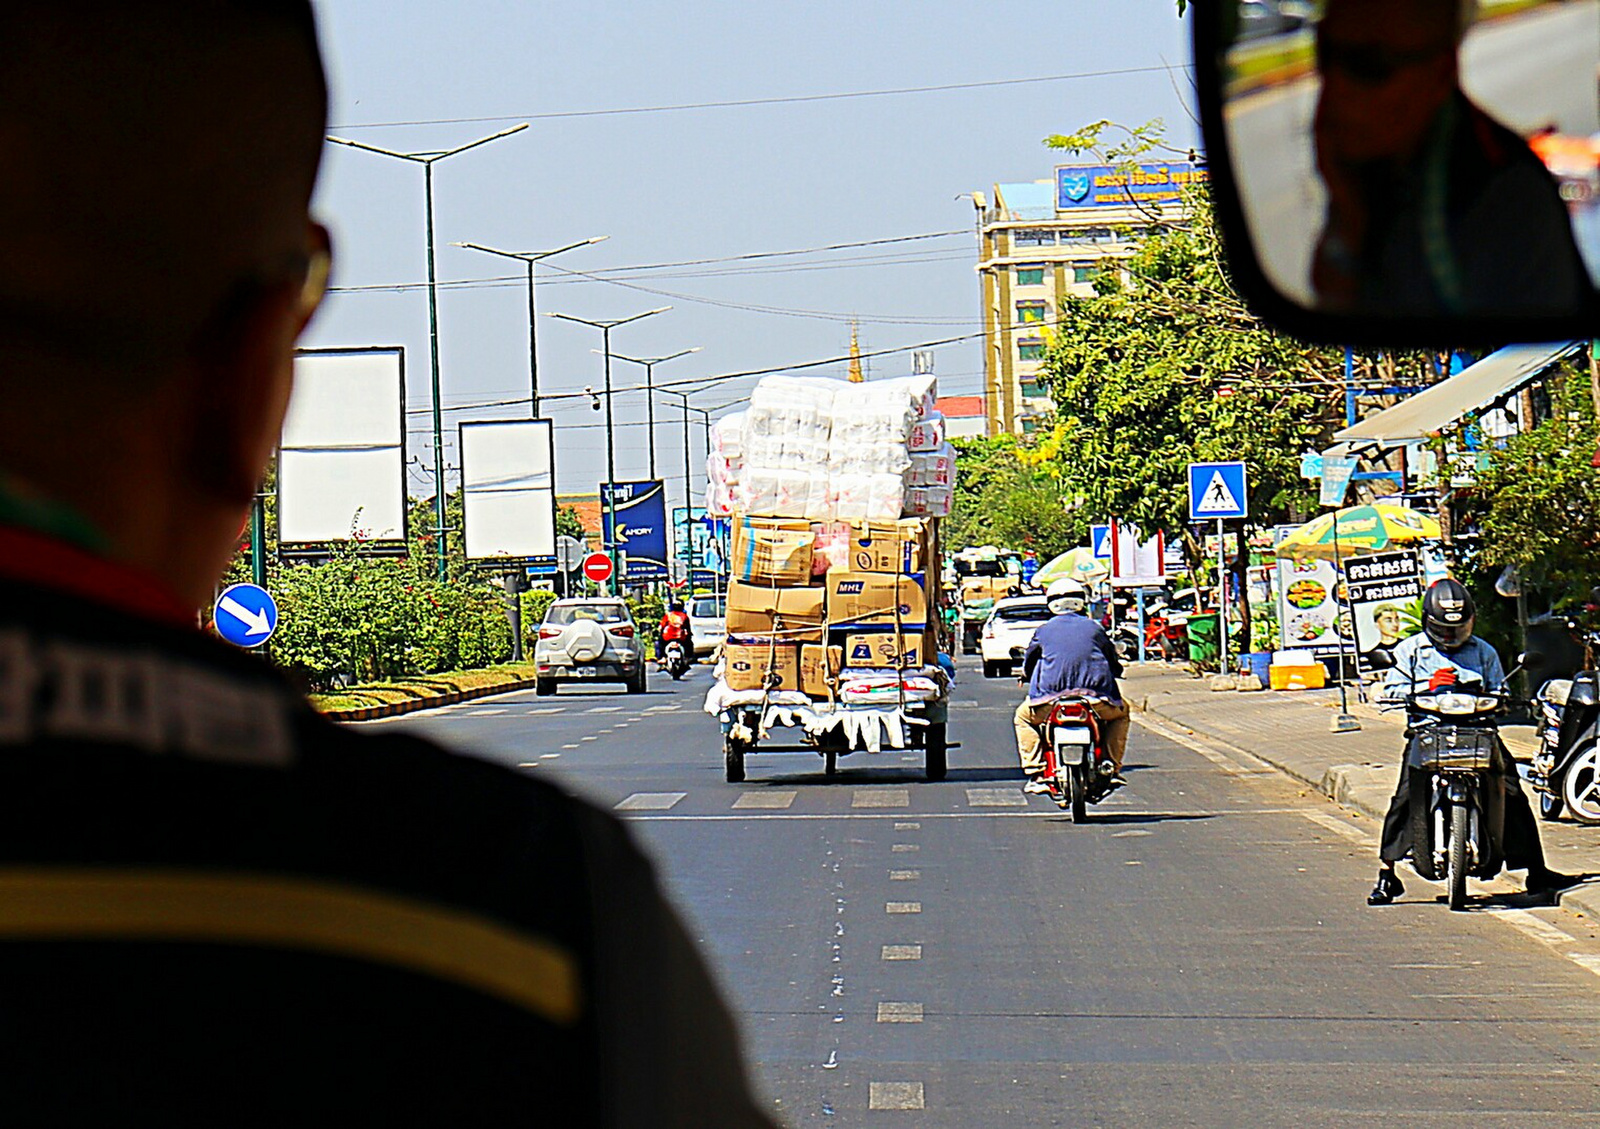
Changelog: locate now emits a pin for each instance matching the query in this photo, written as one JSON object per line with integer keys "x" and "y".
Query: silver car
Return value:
{"x": 588, "y": 640}
{"x": 707, "y": 622}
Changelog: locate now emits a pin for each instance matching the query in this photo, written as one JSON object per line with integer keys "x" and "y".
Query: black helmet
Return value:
{"x": 1447, "y": 614}
{"x": 675, "y": 606}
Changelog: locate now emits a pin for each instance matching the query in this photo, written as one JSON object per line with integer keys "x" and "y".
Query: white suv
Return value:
{"x": 588, "y": 640}
{"x": 708, "y": 618}
{"x": 1008, "y": 631}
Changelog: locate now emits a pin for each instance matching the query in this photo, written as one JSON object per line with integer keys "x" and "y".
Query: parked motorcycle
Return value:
{"x": 1077, "y": 765}
{"x": 1565, "y": 775}
{"x": 1457, "y": 785}
{"x": 675, "y": 659}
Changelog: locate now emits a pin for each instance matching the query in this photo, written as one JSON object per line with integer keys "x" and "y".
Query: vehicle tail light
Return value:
{"x": 1072, "y": 711}
{"x": 549, "y": 632}
{"x": 624, "y": 631}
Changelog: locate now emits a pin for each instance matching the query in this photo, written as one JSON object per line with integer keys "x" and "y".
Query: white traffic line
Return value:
{"x": 548, "y": 756}
{"x": 1545, "y": 933}
{"x": 1235, "y": 762}
{"x": 904, "y": 875}
{"x": 905, "y": 848}
{"x": 651, "y": 801}
{"x": 996, "y": 798}
{"x": 899, "y": 1013}
{"x": 604, "y": 709}
{"x": 590, "y": 737}
{"x": 902, "y": 952}
{"x": 544, "y": 710}
{"x": 881, "y": 798}
{"x": 908, "y": 827}
{"x": 574, "y": 745}
{"x": 894, "y": 1095}
{"x": 902, "y": 907}
{"x": 779, "y": 800}
{"x": 1339, "y": 827}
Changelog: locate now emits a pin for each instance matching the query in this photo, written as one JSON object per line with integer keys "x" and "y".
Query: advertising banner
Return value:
{"x": 639, "y": 510}
{"x": 695, "y": 539}
{"x": 1386, "y": 597}
{"x": 1309, "y": 615}
{"x": 508, "y": 490}
{"x": 1112, "y": 186}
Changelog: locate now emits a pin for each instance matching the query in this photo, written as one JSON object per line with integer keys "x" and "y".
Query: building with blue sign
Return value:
{"x": 1046, "y": 240}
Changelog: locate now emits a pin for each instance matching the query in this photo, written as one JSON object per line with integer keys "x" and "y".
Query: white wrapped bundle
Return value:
{"x": 774, "y": 493}
{"x": 727, "y": 436}
{"x": 927, "y": 434}
{"x": 924, "y": 391}
{"x": 819, "y": 496}
{"x": 929, "y": 501}
{"x": 886, "y": 496}
{"x": 850, "y": 493}
{"x": 933, "y": 468}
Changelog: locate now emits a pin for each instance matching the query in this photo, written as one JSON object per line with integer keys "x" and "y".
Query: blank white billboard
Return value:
{"x": 342, "y": 457}
{"x": 508, "y": 489}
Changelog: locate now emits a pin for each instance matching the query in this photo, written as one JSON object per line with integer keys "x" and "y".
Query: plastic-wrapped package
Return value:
{"x": 831, "y": 549}
{"x": 929, "y": 501}
{"x": 933, "y": 468}
{"x": 819, "y": 495}
{"x": 927, "y": 434}
{"x": 727, "y": 436}
{"x": 774, "y": 493}
{"x": 886, "y": 496}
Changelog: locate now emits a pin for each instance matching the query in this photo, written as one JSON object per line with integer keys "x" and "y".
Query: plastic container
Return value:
{"x": 1310, "y": 676}
{"x": 1260, "y": 665}
{"x": 1203, "y": 638}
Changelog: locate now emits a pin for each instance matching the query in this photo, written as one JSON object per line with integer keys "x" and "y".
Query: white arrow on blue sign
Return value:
{"x": 245, "y": 615}
{"x": 1217, "y": 490}
{"x": 1100, "y": 539}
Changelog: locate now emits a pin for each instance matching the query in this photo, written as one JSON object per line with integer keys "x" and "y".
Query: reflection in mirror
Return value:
{"x": 1418, "y": 158}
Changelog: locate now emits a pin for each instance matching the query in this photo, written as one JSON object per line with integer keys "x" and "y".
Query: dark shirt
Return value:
{"x": 218, "y": 908}
{"x": 1071, "y": 654}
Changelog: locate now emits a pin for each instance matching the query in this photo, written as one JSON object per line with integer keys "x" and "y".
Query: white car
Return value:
{"x": 708, "y": 622}
{"x": 1008, "y": 631}
{"x": 588, "y": 640}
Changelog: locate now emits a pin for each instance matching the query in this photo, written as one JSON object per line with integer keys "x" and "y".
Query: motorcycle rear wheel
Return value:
{"x": 1078, "y": 791}
{"x": 1456, "y": 868}
{"x": 1580, "y": 786}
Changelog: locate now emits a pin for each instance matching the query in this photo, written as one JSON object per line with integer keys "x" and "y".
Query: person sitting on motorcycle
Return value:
{"x": 1070, "y": 654}
{"x": 1444, "y": 653}
{"x": 675, "y": 626}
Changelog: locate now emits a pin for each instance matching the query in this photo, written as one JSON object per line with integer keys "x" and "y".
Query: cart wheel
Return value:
{"x": 830, "y": 762}
{"x": 733, "y": 760}
{"x": 933, "y": 757}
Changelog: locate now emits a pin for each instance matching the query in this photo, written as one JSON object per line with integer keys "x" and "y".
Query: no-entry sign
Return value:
{"x": 597, "y": 567}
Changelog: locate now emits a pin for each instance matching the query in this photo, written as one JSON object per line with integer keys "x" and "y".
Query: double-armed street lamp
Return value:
{"x": 531, "y": 258}
{"x": 650, "y": 364}
{"x": 605, "y": 327}
{"x": 688, "y": 492}
{"x": 427, "y": 159}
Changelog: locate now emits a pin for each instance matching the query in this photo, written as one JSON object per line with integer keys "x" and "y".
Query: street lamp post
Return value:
{"x": 605, "y": 328}
{"x": 531, "y": 258}
{"x": 650, "y": 364}
{"x": 688, "y": 493}
{"x": 427, "y": 159}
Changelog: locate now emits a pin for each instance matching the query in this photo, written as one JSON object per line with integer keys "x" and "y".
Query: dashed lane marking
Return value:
{"x": 548, "y": 709}
{"x": 996, "y": 798}
{"x": 899, "y": 1013}
{"x": 904, "y": 875}
{"x": 590, "y": 737}
{"x": 908, "y": 827}
{"x": 604, "y": 709}
{"x": 548, "y": 756}
{"x": 651, "y": 801}
{"x": 902, "y": 907}
{"x": 881, "y": 798}
{"x": 902, "y": 952}
{"x": 765, "y": 800}
{"x": 571, "y": 746}
{"x": 894, "y": 1095}
{"x": 486, "y": 713}
{"x": 905, "y": 848}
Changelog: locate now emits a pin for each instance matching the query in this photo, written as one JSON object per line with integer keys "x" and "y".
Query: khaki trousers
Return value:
{"x": 1030, "y": 721}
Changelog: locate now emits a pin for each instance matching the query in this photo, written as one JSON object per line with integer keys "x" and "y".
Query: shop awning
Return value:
{"x": 1477, "y": 386}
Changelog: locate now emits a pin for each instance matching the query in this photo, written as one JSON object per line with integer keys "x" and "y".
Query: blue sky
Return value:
{"x": 697, "y": 184}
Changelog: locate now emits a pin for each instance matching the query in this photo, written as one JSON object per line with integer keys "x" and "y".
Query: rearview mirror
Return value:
{"x": 1378, "y": 659}
{"x": 1400, "y": 173}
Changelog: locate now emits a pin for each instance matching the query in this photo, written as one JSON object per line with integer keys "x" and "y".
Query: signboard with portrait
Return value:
{"x": 1386, "y": 597}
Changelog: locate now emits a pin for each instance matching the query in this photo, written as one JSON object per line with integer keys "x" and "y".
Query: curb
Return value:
{"x": 434, "y": 701}
{"x": 1337, "y": 784}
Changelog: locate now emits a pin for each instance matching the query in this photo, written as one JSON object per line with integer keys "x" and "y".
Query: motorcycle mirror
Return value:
{"x": 1468, "y": 216}
{"x": 1378, "y": 660}
{"x": 1531, "y": 660}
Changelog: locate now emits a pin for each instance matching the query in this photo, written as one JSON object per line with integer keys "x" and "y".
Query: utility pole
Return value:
{"x": 427, "y": 159}
{"x": 650, "y": 364}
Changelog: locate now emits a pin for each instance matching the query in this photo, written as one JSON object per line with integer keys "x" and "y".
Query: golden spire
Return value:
{"x": 855, "y": 354}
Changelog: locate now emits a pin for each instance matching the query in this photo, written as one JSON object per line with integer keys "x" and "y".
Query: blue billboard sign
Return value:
{"x": 633, "y": 518}
{"x": 1112, "y": 186}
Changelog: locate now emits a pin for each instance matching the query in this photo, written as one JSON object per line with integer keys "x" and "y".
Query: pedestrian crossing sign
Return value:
{"x": 1217, "y": 490}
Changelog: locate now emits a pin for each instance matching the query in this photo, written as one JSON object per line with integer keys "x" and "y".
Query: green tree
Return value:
{"x": 1006, "y": 497}
{"x": 568, "y": 523}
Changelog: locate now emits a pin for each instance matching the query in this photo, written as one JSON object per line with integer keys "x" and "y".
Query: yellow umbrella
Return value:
{"x": 1077, "y": 564}
{"x": 1358, "y": 531}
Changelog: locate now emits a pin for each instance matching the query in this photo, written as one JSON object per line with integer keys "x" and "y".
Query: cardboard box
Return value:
{"x": 883, "y": 648}
{"x": 745, "y": 665}
{"x": 772, "y": 550}
{"x": 887, "y": 546}
{"x": 870, "y": 599}
{"x": 817, "y": 665}
{"x": 795, "y": 614}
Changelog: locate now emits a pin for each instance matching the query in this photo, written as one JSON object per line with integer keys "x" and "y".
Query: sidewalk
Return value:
{"x": 1290, "y": 731}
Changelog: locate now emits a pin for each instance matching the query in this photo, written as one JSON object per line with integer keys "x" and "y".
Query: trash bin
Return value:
{"x": 1260, "y": 666}
{"x": 1203, "y": 638}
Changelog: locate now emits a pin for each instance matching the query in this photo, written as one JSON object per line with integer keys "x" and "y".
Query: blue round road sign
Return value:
{"x": 245, "y": 615}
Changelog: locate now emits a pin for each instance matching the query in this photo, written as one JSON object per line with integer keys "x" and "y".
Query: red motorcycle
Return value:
{"x": 1078, "y": 768}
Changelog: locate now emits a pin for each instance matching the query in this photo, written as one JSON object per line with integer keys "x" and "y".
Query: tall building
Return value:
{"x": 1046, "y": 240}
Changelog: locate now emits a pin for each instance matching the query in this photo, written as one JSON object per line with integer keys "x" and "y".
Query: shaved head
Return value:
{"x": 159, "y": 157}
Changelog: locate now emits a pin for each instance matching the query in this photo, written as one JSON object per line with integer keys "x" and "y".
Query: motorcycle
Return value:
{"x": 1457, "y": 785}
{"x": 675, "y": 659}
{"x": 1078, "y": 768}
{"x": 1565, "y": 774}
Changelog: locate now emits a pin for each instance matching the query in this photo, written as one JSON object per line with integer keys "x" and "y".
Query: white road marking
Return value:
{"x": 485, "y": 713}
{"x": 1338, "y": 826}
{"x": 528, "y": 764}
{"x": 894, "y": 1095}
{"x": 1234, "y": 762}
{"x": 572, "y": 746}
{"x": 590, "y": 737}
{"x": 1052, "y": 813}
{"x": 899, "y": 1013}
{"x": 651, "y": 801}
{"x": 902, "y": 952}
{"x": 604, "y": 709}
{"x": 551, "y": 709}
{"x": 902, "y": 907}
{"x": 908, "y": 827}
{"x": 765, "y": 800}
{"x": 996, "y": 798}
{"x": 904, "y": 875}
{"x": 881, "y": 798}
{"x": 1132, "y": 834}
{"x": 1545, "y": 933}
{"x": 548, "y": 756}
{"x": 904, "y": 848}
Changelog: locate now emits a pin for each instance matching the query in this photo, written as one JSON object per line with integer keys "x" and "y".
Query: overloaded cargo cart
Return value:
{"x": 833, "y": 633}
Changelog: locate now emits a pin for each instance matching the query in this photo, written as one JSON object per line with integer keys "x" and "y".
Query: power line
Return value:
{"x": 780, "y": 101}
